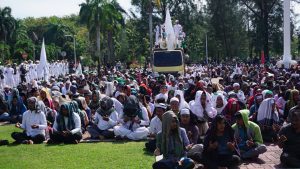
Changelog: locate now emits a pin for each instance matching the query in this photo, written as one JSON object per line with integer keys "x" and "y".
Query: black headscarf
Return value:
{"x": 60, "y": 118}
{"x": 106, "y": 106}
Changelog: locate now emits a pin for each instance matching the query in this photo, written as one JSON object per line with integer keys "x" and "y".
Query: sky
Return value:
{"x": 39, "y": 8}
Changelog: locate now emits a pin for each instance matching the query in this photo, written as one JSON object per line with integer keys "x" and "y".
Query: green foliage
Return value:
{"x": 235, "y": 29}
{"x": 7, "y": 24}
{"x": 4, "y": 52}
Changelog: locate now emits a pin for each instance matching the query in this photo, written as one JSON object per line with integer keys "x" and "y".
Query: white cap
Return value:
{"x": 117, "y": 94}
{"x": 184, "y": 111}
{"x": 174, "y": 99}
{"x": 161, "y": 105}
{"x": 236, "y": 85}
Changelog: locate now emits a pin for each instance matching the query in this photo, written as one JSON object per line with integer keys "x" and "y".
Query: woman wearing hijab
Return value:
{"x": 16, "y": 111}
{"x": 220, "y": 146}
{"x": 174, "y": 105}
{"x": 182, "y": 103}
{"x": 267, "y": 94}
{"x": 67, "y": 126}
{"x": 172, "y": 142}
{"x": 254, "y": 108}
{"x": 109, "y": 90}
{"x": 292, "y": 101}
{"x": 203, "y": 109}
{"x": 268, "y": 120}
{"x": 86, "y": 108}
{"x": 132, "y": 121}
{"x": 105, "y": 119}
{"x": 14, "y": 94}
{"x": 33, "y": 123}
{"x": 231, "y": 108}
{"x": 4, "y": 110}
{"x": 95, "y": 102}
{"x": 45, "y": 97}
{"x": 77, "y": 107}
{"x": 219, "y": 103}
{"x": 281, "y": 101}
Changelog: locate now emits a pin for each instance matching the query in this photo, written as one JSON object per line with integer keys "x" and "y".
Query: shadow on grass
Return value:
{"x": 147, "y": 153}
{"x": 57, "y": 144}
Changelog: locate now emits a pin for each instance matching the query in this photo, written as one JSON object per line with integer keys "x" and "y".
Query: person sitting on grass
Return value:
{"x": 16, "y": 111}
{"x": 34, "y": 124}
{"x": 219, "y": 145}
{"x": 67, "y": 126}
{"x": 155, "y": 126}
{"x": 4, "y": 116}
{"x": 133, "y": 121}
{"x": 106, "y": 118}
{"x": 248, "y": 136}
{"x": 172, "y": 142}
{"x": 289, "y": 141}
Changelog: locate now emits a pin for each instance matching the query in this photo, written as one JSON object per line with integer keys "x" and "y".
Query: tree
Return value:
{"x": 90, "y": 14}
{"x": 113, "y": 21}
{"x": 7, "y": 24}
{"x": 263, "y": 11}
{"x": 228, "y": 27}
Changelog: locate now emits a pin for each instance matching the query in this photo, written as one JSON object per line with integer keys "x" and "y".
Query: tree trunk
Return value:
{"x": 98, "y": 47}
{"x": 266, "y": 35}
{"x": 109, "y": 45}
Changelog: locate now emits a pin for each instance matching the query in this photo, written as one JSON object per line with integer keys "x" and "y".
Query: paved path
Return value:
{"x": 268, "y": 160}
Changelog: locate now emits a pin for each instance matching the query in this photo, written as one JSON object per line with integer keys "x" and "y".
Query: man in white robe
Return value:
{"x": 9, "y": 76}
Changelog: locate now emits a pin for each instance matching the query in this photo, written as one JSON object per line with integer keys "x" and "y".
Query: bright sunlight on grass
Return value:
{"x": 105, "y": 155}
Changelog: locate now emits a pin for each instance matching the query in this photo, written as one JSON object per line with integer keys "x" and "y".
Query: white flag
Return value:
{"x": 169, "y": 31}
{"x": 42, "y": 68}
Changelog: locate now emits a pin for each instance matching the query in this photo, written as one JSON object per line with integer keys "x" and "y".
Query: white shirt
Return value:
{"x": 118, "y": 106}
{"x": 144, "y": 122}
{"x": 77, "y": 122}
{"x": 155, "y": 125}
{"x": 104, "y": 125}
{"x": 32, "y": 118}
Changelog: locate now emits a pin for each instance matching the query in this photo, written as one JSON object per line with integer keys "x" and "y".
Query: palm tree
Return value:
{"x": 113, "y": 21}
{"x": 90, "y": 14}
{"x": 7, "y": 24}
{"x": 103, "y": 15}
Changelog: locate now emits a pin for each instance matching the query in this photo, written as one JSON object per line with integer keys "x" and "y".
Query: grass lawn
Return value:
{"x": 124, "y": 155}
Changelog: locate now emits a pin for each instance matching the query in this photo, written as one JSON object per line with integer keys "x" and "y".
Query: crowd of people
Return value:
{"x": 214, "y": 115}
{"x": 13, "y": 74}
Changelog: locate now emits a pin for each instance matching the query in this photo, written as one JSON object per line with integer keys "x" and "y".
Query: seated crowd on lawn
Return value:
{"x": 217, "y": 117}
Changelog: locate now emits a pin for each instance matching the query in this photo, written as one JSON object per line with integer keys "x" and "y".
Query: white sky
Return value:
{"x": 40, "y": 8}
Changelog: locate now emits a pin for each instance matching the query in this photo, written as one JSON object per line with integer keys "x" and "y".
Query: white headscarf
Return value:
{"x": 109, "y": 91}
{"x": 182, "y": 103}
{"x": 265, "y": 111}
{"x": 197, "y": 108}
{"x": 219, "y": 110}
